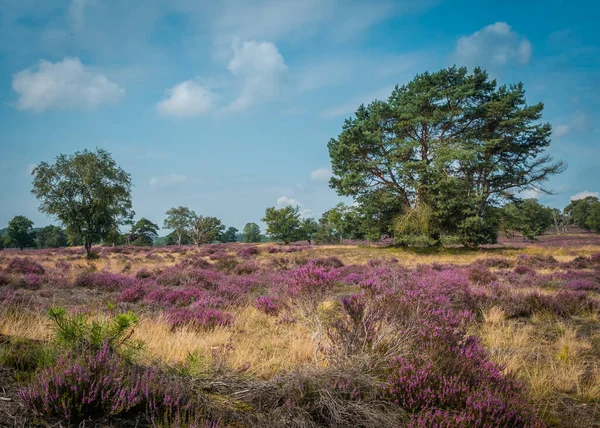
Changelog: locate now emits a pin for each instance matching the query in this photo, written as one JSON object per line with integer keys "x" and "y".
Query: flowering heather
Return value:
{"x": 101, "y": 384}
{"x": 105, "y": 281}
{"x": 199, "y": 318}
{"x": 329, "y": 262}
{"x": 24, "y": 266}
{"x": 310, "y": 279}
{"x": 525, "y": 270}
{"x": 32, "y": 281}
{"x": 247, "y": 252}
{"x": 583, "y": 285}
{"x": 269, "y": 305}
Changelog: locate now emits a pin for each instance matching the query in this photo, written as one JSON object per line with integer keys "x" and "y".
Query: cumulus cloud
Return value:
{"x": 577, "y": 123}
{"x": 166, "y": 181}
{"x": 494, "y": 45}
{"x": 321, "y": 174}
{"x": 284, "y": 201}
{"x": 584, "y": 194}
{"x": 64, "y": 84}
{"x": 186, "y": 99}
{"x": 261, "y": 69}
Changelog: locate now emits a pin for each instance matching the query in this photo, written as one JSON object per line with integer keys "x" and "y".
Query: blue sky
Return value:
{"x": 227, "y": 106}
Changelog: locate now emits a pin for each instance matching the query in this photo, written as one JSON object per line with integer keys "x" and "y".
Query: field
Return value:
{"x": 299, "y": 335}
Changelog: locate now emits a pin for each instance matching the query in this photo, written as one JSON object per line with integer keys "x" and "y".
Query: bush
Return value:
{"x": 101, "y": 383}
{"x": 24, "y": 266}
{"x": 106, "y": 281}
{"x": 269, "y": 305}
{"x": 75, "y": 332}
{"x": 199, "y": 318}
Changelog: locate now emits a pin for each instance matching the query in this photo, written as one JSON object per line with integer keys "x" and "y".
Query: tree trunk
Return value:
{"x": 88, "y": 249}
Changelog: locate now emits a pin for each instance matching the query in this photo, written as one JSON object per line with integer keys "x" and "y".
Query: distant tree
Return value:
{"x": 179, "y": 219}
{"x": 51, "y": 237}
{"x": 230, "y": 235}
{"x": 251, "y": 233}
{"x": 87, "y": 192}
{"x": 308, "y": 228}
{"x": 450, "y": 140}
{"x": 340, "y": 222}
{"x": 20, "y": 232}
{"x": 115, "y": 237}
{"x": 144, "y": 232}
{"x": 561, "y": 220}
{"x": 593, "y": 218}
{"x": 172, "y": 239}
{"x": 283, "y": 224}
{"x": 579, "y": 210}
{"x": 204, "y": 230}
{"x": 528, "y": 217}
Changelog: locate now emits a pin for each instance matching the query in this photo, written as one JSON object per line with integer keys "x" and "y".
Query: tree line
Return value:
{"x": 442, "y": 161}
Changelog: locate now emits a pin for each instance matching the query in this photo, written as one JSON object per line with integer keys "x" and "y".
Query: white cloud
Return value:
{"x": 284, "y": 201}
{"x": 530, "y": 194}
{"x": 321, "y": 174}
{"x": 261, "y": 69}
{"x": 577, "y": 123}
{"x": 494, "y": 45}
{"x": 166, "y": 181}
{"x": 561, "y": 130}
{"x": 186, "y": 99}
{"x": 64, "y": 84}
{"x": 584, "y": 194}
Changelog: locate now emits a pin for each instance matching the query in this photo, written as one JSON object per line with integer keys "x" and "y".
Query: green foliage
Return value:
{"x": 528, "y": 217}
{"x": 341, "y": 222}
{"x": 77, "y": 332}
{"x": 579, "y": 211}
{"x": 283, "y": 224}
{"x": 87, "y": 192}
{"x": 308, "y": 228}
{"x": 51, "y": 237}
{"x": 144, "y": 232}
{"x": 204, "y": 230}
{"x": 178, "y": 219}
{"x": 20, "y": 232}
{"x": 593, "y": 218}
{"x": 451, "y": 140}
{"x": 474, "y": 231}
{"x": 416, "y": 227}
{"x": 230, "y": 235}
{"x": 251, "y": 233}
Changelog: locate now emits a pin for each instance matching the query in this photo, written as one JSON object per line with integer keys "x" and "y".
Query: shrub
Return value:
{"x": 95, "y": 384}
{"x": 583, "y": 285}
{"x": 199, "y": 318}
{"x": 269, "y": 305}
{"x": 24, "y": 266}
{"x": 247, "y": 252}
{"x": 105, "y": 281}
{"x": 329, "y": 262}
{"x": 75, "y": 332}
{"x": 481, "y": 276}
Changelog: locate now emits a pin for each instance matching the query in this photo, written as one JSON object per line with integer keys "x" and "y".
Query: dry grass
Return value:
{"x": 254, "y": 339}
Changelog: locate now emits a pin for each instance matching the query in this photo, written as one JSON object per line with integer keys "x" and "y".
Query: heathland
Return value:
{"x": 302, "y": 335}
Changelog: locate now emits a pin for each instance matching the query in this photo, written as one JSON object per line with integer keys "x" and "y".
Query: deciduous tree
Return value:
{"x": 87, "y": 192}
{"x": 251, "y": 233}
{"x": 283, "y": 224}
{"x": 20, "y": 232}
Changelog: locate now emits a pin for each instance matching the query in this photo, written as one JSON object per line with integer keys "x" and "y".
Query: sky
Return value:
{"x": 226, "y": 107}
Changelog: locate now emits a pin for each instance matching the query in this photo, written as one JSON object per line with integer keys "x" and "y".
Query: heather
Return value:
{"x": 258, "y": 335}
